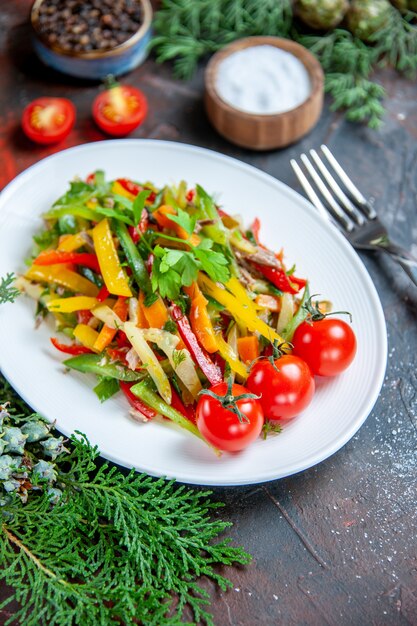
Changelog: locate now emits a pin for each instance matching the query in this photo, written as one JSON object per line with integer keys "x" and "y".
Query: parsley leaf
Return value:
{"x": 186, "y": 221}
{"x": 173, "y": 269}
{"x": 215, "y": 264}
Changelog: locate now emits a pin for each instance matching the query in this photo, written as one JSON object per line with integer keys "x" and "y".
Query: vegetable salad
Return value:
{"x": 169, "y": 300}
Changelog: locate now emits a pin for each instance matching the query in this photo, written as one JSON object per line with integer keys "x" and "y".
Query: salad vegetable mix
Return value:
{"x": 169, "y": 300}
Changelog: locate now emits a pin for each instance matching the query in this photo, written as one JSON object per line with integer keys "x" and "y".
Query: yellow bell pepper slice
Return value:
{"x": 86, "y": 335}
{"x": 241, "y": 312}
{"x": 62, "y": 276}
{"x": 70, "y": 243}
{"x": 121, "y": 191}
{"x": 108, "y": 259}
{"x": 237, "y": 289}
{"x": 137, "y": 339}
{"x": 230, "y": 357}
{"x": 69, "y": 305}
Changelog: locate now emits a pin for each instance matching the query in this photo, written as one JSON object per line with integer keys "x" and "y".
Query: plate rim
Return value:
{"x": 314, "y": 458}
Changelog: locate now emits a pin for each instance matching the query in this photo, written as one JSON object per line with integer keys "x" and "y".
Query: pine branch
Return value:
{"x": 86, "y": 544}
{"x": 8, "y": 293}
{"x": 187, "y": 31}
{"x": 348, "y": 63}
{"x": 396, "y": 43}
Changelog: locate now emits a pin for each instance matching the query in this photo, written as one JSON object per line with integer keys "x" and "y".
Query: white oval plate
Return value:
{"x": 34, "y": 368}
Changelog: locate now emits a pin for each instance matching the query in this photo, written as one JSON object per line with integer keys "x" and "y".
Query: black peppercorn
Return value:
{"x": 86, "y": 25}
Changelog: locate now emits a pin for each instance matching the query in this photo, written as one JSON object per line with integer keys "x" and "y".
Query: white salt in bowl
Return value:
{"x": 260, "y": 131}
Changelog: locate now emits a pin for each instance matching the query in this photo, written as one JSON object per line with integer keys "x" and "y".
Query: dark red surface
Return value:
{"x": 335, "y": 545}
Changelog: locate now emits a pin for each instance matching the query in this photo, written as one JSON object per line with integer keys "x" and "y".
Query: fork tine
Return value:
{"x": 310, "y": 191}
{"x": 336, "y": 209}
{"x": 354, "y": 191}
{"x": 342, "y": 197}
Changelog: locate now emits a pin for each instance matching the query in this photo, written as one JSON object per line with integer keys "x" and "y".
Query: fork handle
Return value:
{"x": 404, "y": 258}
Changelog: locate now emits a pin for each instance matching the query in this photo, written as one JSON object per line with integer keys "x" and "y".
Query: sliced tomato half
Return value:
{"x": 119, "y": 110}
{"x": 48, "y": 120}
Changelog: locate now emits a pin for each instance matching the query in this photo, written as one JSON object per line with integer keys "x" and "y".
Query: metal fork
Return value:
{"x": 350, "y": 212}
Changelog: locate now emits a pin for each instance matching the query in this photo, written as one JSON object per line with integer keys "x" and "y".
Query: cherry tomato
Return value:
{"x": 223, "y": 428}
{"x": 119, "y": 110}
{"x": 327, "y": 345}
{"x": 48, "y": 120}
{"x": 286, "y": 388}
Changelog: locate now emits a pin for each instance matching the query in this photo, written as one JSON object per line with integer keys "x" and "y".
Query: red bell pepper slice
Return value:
{"x": 69, "y": 348}
{"x": 134, "y": 188}
{"x": 84, "y": 316}
{"x": 52, "y": 257}
{"x": 129, "y": 185}
{"x": 121, "y": 340}
{"x": 135, "y": 402}
{"x": 190, "y": 195}
{"x": 255, "y": 228}
{"x": 288, "y": 284}
{"x": 209, "y": 369}
{"x": 91, "y": 179}
{"x": 177, "y": 403}
{"x": 103, "y": 294}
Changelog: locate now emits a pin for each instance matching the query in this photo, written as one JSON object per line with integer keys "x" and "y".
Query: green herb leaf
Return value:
{"x": 186, "y": 221}
{"x": 47, "y": 238}
{"x": 215, "y": 264}
{"x": 170, "y": 326}
{"x": 106, "y": 388}
{"x": 150, "y": 299}
{"x": 138, "y": 205}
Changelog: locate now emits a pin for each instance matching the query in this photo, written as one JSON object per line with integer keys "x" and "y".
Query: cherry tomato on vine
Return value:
{"x": 48, "y": 120}
{"x": 286, "y": 387}
{"x": 119, "y": 109}
{"x": 229, "y": 416}
{"x": 328, "y": 345}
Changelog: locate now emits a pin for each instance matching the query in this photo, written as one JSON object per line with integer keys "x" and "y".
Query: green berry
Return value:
{"x": 8, "y": 464}
{"x": 321, "y": 14}
{"x": 14, "y": 439}
{"x": 54, "y": 495}
{"x": 45, "y": 470}
{"x": 35, "y": 430}
{"x": 366, "y": 17}
{"x": 53, "y": 446}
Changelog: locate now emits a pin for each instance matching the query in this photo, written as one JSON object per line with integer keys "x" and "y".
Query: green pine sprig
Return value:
{"x": 91, "y": 545}
{"x": 188, "y": 30}
{"x": 8, "y": 293}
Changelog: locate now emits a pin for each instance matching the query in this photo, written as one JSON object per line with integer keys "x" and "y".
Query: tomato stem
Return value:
{"x": 314, "y": 313}
{"x": 229, "y": 401}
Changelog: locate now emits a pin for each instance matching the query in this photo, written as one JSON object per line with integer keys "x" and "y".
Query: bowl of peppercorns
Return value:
{"x": 92, "y": 38}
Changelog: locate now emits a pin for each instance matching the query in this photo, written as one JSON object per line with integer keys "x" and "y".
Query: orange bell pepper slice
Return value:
{"x": 200, "y": 319}
{"x": 248, "y": 348}
{"x": 162, "y": 217}
{"x": 156, "y": 315}
{"x": 107, "y": 334}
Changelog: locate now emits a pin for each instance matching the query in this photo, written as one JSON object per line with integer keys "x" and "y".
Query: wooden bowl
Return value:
{"x": 264, "y": 132}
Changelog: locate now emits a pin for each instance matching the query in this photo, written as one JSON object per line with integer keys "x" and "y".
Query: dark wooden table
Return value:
{"x": 336, "y": 544}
